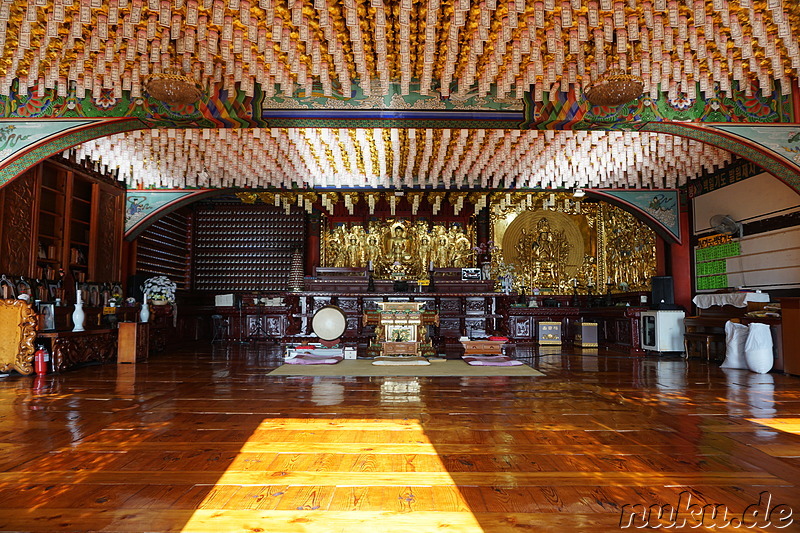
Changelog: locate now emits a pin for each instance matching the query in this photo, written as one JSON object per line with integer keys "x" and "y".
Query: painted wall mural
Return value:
{"x": 19, "y": 135}
{"x": 663, "y": 206}
{"x": 782, "y": 140}
{"x": 141, "y": 205}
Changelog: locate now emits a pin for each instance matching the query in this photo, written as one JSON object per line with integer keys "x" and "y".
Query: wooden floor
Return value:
{"x": 204, "y": 439}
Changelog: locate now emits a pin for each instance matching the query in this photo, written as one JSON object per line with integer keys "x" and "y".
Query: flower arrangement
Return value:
{"x": 505, "y": 273}
{"x": 504, "y": 269}
{"x": 485, "y": 248}
{"x": 159, "y": 288}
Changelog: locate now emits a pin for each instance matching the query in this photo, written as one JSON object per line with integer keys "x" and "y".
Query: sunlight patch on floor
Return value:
{"x": 788, "y": 425}
{"x": 333, "y": 437}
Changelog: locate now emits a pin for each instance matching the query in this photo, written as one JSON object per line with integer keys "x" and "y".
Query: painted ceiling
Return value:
{"x": 470, "y": 77}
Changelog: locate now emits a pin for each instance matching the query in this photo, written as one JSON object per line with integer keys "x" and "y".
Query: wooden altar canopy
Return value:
{"x": 401, "y": 328}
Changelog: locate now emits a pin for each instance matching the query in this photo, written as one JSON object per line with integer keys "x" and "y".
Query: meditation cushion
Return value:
{"x": 400, "y": 361}
{"x": 490, "y": 360}
{"x": 313, "y": 359}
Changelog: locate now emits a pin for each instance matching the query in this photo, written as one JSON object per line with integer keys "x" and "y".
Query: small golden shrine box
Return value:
{"x": 549, "y": 332}
{"x": 586, "y": 335}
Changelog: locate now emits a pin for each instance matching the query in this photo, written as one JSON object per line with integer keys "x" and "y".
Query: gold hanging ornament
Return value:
{"x": 172, "y": 86}
{"x": 614, "y": 87}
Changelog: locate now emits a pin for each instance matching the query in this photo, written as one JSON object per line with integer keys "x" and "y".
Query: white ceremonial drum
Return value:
{"x": 329, "y": 323}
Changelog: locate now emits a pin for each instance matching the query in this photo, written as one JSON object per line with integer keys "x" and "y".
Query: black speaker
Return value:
{"x": 663, "y": 293}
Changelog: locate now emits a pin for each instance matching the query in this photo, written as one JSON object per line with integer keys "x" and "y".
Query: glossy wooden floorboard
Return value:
{"x": 203, "y": 439}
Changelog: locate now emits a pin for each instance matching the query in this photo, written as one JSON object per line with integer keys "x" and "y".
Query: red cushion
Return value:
{"x": 305, "y": 347}
{"x": 498, "y": 338}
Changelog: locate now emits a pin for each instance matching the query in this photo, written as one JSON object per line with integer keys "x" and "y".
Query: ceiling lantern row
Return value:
{"x": 401, "y": 159}
{"x": 445, "y": 48}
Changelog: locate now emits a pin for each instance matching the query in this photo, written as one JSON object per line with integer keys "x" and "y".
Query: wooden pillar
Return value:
{"x": 482, "y": 227}
{"x": 313, "y": 241}
{"x": 662, "y": 256}
{"x": 128, "y": 259}
{"x": 680, "y": 260}
{"x": 796, "y": 99}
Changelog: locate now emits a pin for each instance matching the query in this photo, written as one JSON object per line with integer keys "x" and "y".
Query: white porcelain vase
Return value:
{"x": 78, "y": 317}
{"x": 144, "y": 313}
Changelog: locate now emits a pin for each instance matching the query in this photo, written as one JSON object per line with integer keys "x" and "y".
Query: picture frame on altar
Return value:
{"x": 54, "y": 291}
{"x": 470, "y": 274}
{"x": 47, "y": 316}
{"x": 401, "y": 333}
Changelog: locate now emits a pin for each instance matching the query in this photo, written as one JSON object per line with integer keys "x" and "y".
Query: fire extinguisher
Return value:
{"x": 40, "y": 359}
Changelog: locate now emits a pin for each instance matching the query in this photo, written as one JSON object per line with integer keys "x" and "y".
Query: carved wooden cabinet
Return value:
{"x": 523, "y": 323}
{"x": 617, "y": 327}
{"x": 60, "y": 216}
{"x": 72, "y": 348}
{"x": 254, "y": 322}
{"x": 521, "y": 328}
{"x": 265, "y": 326}
{"x": 161, "y": 327}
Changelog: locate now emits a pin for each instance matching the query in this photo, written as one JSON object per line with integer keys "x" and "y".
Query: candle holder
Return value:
{"x": 609, "y": 301}
{"x": 431, "y": 283}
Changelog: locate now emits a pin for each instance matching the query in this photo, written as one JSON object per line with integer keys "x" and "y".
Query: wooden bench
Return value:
{"x": 705, "y": 333}
{"x": 704, "y": 342}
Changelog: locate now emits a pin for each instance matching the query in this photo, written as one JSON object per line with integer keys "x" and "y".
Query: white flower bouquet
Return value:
{"x": 159, "y": 288}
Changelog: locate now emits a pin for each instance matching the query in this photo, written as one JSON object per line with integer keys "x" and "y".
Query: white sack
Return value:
{"x": 735, "y": 339}
{"x": 758, "y": 349}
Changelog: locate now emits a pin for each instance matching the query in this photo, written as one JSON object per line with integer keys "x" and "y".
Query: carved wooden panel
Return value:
{"x": 623, "y": 329}
{"x": 17, "y": 215}
{"x": 370, "y": 304}
{"x": 70, "y": 350}
{"x": 349, "y": 305}
{"x": 475, "y": 306}
{"x": 265, "y": 326}
{"x": 450, "y": 306}
{"x": 106, "y": 259}
{"x": 450, "y": 324}
{"x": 319, "y": 303}
{"x": 429, "y": 304}
{"x": 476, "y": 327}
{"x": 521, "y": 327}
